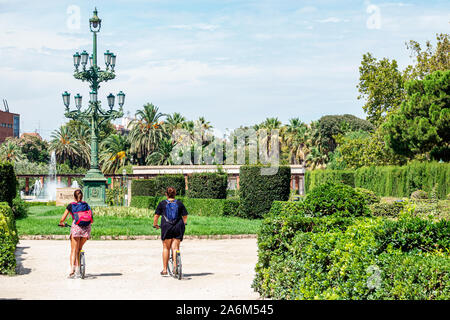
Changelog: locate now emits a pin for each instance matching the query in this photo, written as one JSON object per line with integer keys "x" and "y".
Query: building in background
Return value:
{"x": 31, "y": 134}
{"x": 123, "y": 127}
{"x": 9, "y": 125}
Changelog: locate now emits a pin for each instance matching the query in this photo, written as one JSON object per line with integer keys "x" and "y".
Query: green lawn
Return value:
{"x": 43, "y": 220}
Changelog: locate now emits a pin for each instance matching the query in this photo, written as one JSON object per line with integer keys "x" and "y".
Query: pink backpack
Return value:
{"x": 82, "y": 214}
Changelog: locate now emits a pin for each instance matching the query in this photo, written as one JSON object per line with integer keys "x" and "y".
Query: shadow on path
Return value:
{"x": 95, "y": 276}
{"x": 188, "y": 276}
{"x": 20, "y": 269}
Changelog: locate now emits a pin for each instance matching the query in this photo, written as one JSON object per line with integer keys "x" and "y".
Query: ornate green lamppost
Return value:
{"x": 94, "y": 116}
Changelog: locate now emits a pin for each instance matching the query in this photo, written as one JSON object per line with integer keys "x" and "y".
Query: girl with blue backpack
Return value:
{"x": 80, "y": 230}
{"x": 173, "y": 221}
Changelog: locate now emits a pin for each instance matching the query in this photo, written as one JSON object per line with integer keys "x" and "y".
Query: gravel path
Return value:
{"x": 121, "y": 269}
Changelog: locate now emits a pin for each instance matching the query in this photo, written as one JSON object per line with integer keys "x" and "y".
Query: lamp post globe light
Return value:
{"x": 94, "y": 116}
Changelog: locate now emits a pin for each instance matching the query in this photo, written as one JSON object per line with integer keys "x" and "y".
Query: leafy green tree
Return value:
{"x": 421, "y": 126}
{"x": 359, "y": 148}
{"x": 328, "y": 127}
{"x": 34, "y": 148}
{"x": 381, "y": 85}
{"x": 429, "y": 60}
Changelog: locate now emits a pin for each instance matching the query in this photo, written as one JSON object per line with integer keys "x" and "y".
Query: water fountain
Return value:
{"x": 37, "y": 189}
{"x": 51, "y": 185}
{"x": 75, "y": 185}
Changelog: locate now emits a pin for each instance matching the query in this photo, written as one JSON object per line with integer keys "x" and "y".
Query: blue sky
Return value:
{"x": 234, "y": 62}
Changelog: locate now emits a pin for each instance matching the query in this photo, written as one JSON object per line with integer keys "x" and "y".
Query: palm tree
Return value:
{"x": 82, "y": 136}
{"x": 11, "y": 152}
{"x": 294, "y": 140}
{"x": 203, "y": 124}
{"x": 114, "y": 153}
{"x": 174, "y": 121}
{"x": 204, "y": 127}
{"x": 146, "y": 131}
{"x": 268, "y": 125}
{"x": 271, "y": 123}
{"x": 316, "y": 159}
{"x": 64, "y": 145}
{"x": 189, "y": 126}
{"x": 163, "y": 156}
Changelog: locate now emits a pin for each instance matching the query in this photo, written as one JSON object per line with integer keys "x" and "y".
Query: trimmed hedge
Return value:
{"x": 208, "y": 185}
{"x": 158, "y": 185}
{"x": 390, "y": 181}
{"x": 8, "y": 239}
{"x": 411, "y": 276}
{"x": 231, "y": 207}
{"x": 170, "y": 180}
{"x": 8, "y": 183}
{"x": 335, "y": 199}
{"x": 387, "y": 209}
{"x": 257, "y": 191}
{"x": 332, "y": 257}
{"x": 369, "y": 196}
{"x": 143, "y": 187}
{"x": 410, "y": 233}
{"x": 198, "y": 207}
{"x": 146, "y": 202}
{"x": 204, "y": 207}
{"x": 20, "y": 208}
{"x": 317, "y": 177}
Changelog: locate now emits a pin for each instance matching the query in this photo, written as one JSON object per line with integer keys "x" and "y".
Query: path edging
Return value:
{"x": 204, "y": 237}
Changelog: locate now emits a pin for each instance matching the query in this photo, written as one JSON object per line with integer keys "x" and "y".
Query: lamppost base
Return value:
{"x": 95, "y": 189}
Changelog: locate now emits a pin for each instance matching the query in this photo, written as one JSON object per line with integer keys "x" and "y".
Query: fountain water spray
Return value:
{"x": 50, "y": 186}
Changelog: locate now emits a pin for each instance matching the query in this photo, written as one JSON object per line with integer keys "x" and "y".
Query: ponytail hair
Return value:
{"x": 171, "y": 192}
{"x": 78, "y": 195}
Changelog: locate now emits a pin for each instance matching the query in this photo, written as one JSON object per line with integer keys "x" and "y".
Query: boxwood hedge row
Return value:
{"x": 258, "y": 191}
{"x": 353, "y": 256}
{"x": 8, "y": 239}
{"x": 8, "y": 183}
{"x": 208, "y": 185}
{"x": 394, "y": 181}
{"x": 158, "y": 185}
{"x": 199, "y": 207}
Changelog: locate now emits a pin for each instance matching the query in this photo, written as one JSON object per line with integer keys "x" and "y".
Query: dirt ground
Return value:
{"x": 129, "y": 269}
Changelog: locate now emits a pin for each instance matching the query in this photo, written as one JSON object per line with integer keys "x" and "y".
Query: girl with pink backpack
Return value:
{"x": 80, "y": 230}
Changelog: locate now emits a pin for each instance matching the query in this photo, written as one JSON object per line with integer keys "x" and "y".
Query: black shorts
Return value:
{"x": 172, "y": 231}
